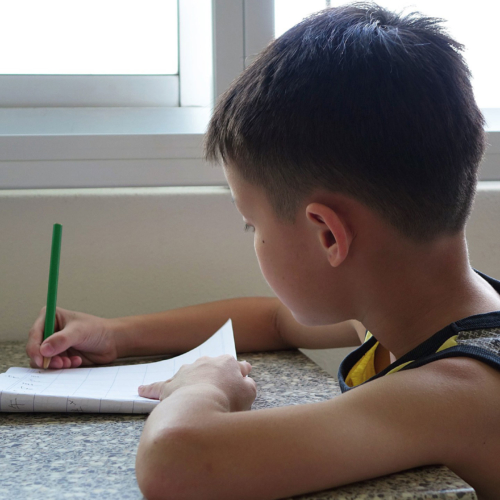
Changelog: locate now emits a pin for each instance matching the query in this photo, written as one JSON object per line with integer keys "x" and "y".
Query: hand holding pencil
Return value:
{"x": 79, "y": 339}
{"x": 76, "y": 339}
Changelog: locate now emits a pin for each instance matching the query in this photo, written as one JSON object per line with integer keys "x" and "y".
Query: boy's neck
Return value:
{"x": 409, "y": 301}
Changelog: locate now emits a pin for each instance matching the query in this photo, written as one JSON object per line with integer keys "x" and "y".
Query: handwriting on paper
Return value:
{"x": 15, "y": 405}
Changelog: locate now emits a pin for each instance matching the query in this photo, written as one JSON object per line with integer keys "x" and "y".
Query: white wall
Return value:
{"x": 139, "y": 250}
{"x": 124, "y": 251}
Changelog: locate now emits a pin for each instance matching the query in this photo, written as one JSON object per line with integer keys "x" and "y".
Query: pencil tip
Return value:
{"x": 46, "y": 363}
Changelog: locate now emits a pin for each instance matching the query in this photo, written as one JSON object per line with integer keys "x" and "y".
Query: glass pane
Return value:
{"x": 92, "y": 37}
{"x": 476, "y": 28}
{"x": 288, "y": 13}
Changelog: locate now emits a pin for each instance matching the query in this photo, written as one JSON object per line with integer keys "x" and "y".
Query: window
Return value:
{"x": 112, "y": 130}
{"x": 100, "y": 37}
{"x": 105, "y": 53}
{"x": 469, "y": 26}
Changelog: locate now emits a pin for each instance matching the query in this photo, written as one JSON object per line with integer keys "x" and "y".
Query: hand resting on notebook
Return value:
{"x": 224, "y": 373}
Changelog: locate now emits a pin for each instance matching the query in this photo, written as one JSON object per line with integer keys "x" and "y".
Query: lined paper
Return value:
{"x": 105, "y": 389}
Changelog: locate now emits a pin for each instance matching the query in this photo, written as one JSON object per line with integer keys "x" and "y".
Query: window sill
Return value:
{"x": 43, "y": 148}
{"x": 123, "y": 133}
{"x": 28, "y": 134}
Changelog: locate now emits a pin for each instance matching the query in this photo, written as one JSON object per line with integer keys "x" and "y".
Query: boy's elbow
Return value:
{"x": 161, "y": 465}
{"x": 148, "y": 482}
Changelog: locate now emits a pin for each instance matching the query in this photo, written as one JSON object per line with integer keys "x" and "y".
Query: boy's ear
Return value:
{"x": 334, "y": 236}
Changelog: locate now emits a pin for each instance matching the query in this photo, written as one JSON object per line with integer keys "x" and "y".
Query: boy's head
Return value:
{"x": 358, "y": 101}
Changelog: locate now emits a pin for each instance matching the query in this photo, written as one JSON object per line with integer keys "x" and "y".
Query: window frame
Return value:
{"x": 130, "y": 140}
{"x": 89, "y": 90}
{"x": 48, "y": 91}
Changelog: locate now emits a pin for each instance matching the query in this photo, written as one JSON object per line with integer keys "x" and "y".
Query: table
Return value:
{"x": 58, "y": 455}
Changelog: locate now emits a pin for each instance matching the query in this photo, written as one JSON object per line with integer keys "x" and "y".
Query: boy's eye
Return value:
{"x": 248, "y": 227}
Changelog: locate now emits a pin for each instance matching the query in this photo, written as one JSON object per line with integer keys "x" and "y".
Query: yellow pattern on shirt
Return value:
{"x": 364, "y": 369}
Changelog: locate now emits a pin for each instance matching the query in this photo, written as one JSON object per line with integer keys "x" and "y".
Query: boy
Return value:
{"x": 351, "y": 147}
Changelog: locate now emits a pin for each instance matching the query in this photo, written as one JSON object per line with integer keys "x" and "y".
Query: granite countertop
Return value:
{"x": 61, "y": 455}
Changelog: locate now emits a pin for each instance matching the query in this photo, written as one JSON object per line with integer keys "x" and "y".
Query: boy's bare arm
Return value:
{"x": 192, "y": 449}
{"x": 259, "y": 324}
{"x": 179, "y": 330}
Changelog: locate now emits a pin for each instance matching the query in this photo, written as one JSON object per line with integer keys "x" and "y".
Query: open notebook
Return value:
{"x": 105, "y": 389}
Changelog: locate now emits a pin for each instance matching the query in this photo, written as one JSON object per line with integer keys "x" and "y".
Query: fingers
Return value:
{"x": 35, "y": 338}
{"x": 76, "y": 361}
{"x": 245, "y": 367}
{"x": 58, "y": 362}
{"x": 77, "y": 358}
{"x": 251, "y": 382}
{"x": 63, "y": 361}
{"x": 151, "y": 391}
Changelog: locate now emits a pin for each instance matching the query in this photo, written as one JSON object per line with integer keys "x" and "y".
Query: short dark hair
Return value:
{"x": 362, "y": 101}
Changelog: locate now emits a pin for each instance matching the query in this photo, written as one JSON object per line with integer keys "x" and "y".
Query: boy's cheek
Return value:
{"x": 264, "y": 269}
{"x": 264, "y": 255}
{"x": 279, "y": 273}
{"x": 267, "y": 267}
{"x": 274, "y": 272}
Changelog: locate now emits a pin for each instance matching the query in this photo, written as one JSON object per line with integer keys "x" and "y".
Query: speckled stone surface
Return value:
{"x": 59, "y": 455}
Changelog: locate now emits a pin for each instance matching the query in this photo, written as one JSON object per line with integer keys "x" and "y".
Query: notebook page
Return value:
{"x": 106, "y": 389}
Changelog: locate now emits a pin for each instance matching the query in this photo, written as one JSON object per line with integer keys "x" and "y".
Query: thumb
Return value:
{"x": 59, "y": 342}
{"x": 151, "y": 391}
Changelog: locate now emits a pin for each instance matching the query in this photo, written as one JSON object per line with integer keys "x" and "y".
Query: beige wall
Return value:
{"x": 139, "y": 250}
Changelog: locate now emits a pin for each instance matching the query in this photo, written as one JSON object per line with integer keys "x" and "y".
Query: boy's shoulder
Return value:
{"x": 445, "y": 412}
{"x": 451, "y": 407}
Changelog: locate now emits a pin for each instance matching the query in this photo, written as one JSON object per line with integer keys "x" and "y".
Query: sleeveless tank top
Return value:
{"x": 475, "y": 337}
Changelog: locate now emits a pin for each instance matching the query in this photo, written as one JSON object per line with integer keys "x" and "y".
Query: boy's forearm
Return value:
{"x": 188, "y": 407}
{"x": 191, "y": 407}
{"x": 180, "y": 330}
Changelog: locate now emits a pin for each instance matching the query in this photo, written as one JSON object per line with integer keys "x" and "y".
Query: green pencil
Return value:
{"x": 50, "y": 313}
